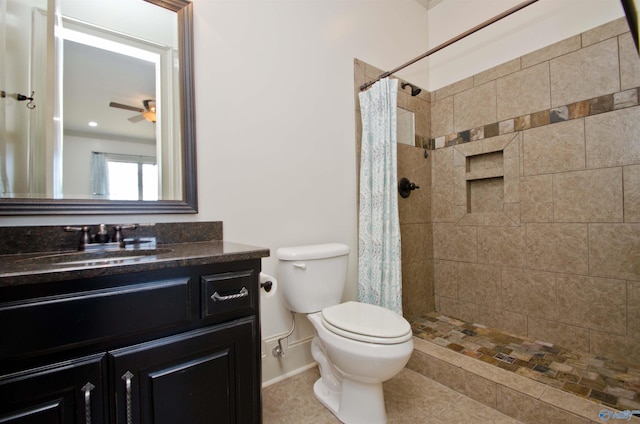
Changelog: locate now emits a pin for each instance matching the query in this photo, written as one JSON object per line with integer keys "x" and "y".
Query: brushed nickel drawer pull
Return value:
{"x": 127, "y": 376}
{"x": 243, "y": 293}
{"x": 87, "y": 401}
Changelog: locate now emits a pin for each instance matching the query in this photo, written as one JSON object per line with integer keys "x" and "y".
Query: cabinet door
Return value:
{"x": 203, "y": 376}
{"x": 69, "y": 392}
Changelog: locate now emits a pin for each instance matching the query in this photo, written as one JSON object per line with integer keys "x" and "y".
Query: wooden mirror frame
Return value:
{"x": 189, "y": 204}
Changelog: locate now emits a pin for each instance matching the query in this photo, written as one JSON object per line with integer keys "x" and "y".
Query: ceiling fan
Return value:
{"x": 148, "y": 113}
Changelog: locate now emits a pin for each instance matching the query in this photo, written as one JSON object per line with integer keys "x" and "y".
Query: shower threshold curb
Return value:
{"x": 517, "y": 396}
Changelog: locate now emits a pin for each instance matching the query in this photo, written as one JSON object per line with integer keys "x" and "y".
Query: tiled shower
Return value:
{"x": 528, "y": 215}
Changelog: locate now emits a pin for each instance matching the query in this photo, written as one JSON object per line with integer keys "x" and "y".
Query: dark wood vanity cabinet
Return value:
{"x": 171, "y": 346}
{"x": 66, "y": 392}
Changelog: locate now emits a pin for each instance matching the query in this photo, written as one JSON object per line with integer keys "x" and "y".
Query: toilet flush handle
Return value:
{"x": 299, "y": 265}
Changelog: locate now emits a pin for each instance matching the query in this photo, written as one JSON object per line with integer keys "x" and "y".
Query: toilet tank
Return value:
{"x": 312, "y": 277}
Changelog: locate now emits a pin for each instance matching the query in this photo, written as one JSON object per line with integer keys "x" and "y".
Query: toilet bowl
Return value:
{"x": 352, "y": 371}
{"x": 357, "y": 346}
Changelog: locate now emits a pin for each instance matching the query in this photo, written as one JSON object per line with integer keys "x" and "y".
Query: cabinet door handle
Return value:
{"x": 87, "y": 401}
{"x": 127, "y": 376}
{"x": 242, "y": 293}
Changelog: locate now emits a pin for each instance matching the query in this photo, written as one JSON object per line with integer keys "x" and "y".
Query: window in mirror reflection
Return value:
{"x": 123, "y": 177}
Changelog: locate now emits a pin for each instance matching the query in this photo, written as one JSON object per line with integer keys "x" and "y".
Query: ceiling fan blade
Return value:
{"x": 136, "y": 118}
{"x": 127, "y": 107}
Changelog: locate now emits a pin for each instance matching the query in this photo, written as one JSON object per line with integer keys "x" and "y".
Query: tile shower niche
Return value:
{"x": 486, "y": 181}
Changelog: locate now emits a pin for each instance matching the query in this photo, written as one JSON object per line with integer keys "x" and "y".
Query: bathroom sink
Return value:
{"x": 94, "y": 257}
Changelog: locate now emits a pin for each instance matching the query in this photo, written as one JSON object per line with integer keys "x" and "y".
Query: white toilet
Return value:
{"x": 357, "y": 346}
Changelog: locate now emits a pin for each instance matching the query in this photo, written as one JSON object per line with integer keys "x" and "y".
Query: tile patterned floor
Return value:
{"x": 409, "y": 398}
{"x": 606, "y": 381}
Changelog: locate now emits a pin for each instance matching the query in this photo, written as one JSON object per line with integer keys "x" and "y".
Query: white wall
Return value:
{"x": 538, "y": 25}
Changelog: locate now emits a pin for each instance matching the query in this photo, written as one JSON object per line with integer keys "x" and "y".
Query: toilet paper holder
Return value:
{"x": 267, "y": 285}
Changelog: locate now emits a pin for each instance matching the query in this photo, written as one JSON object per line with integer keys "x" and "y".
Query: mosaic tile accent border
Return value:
{"x": 581, "y": 109}
{"x": 598, "y": 379}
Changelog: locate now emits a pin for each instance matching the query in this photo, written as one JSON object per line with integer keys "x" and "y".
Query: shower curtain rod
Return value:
{"x": 451, "y": 41}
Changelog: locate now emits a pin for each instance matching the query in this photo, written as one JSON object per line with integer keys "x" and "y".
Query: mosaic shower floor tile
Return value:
{"x": 602, "y": 380}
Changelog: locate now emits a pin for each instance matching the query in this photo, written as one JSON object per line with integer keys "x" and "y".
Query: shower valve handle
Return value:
{"x": 405, "y": 187}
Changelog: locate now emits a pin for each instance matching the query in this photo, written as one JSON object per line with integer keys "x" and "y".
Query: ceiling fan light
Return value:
{"x": 150, "y": 115}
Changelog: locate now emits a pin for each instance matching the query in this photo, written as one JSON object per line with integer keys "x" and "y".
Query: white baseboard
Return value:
{"x": 296, "y": 360}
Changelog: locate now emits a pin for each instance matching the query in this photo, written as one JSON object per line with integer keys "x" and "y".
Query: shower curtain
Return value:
{"x": 379, "y": 272}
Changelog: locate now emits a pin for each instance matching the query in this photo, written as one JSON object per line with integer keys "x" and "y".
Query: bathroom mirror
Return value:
{"x": 132, "y": 82}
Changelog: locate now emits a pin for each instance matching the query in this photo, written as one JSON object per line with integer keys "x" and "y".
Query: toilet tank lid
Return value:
{"x": 315, "y": 251}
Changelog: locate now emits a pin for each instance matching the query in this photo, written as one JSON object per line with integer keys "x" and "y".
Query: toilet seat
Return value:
{"x": 366, "y": 323}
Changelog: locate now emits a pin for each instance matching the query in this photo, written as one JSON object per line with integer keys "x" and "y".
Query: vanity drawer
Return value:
{"x": 228, "y": 295}
{"x": 58, "y": 322}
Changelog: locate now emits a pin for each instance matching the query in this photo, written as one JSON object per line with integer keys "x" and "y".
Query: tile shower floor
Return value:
{"x": 409, "y": 398}
{"x": 602, "y": 380}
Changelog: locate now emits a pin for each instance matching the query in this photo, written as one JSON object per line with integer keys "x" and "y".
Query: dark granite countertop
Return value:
{"x": 20, "y": 269}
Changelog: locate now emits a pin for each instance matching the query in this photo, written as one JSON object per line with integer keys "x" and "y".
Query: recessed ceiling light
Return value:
{"x": 93, "y": 124}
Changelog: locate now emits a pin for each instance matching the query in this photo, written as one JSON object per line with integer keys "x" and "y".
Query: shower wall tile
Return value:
{"x": 458, "y": 309}
{"x": 497, "y": 72}
{"x": 475, "y": 107}
{"x": 486, "y": 195}
{"x": 412, "y": 164}
{"x": 445, "y": 278}
{"x": 554, "y": 148}
{"x": 589, "y": 72}
{"x": 572, "y": 337}
{"x": 512, "y": 180}
{"x": 536, "y": 198}
{"x": 442, "y": 166}
{"x": 532, "y": 293}
{"x": 623, "y": 349}
{"x": 629, "y": 63}
{"x": 631, "y": 193}
{"x": 479, "y": 284}
{"x": 625, "y": 99}
{"x": 588, "y": 196}
{"x": 442, "y": 203}
{"x": 442, "y": 117}
{"x": 621, "y": 149}
{"x": 422, "y": 110}
{"x": 508, "y": 321}
{"x": 603, "y": 32}
{"x": 460, "y": 192}
{"x": 417, "y": 244}
{"x": 614, "y": 251}
{"x": 633, "y": 309}
{"x": 455, "y": 88}
{"x": 558, "y": 247}
{"x": 456, "y": 243}
{"x": 502, "y": 246}
{"x": 591, "y": 302}
{"x": 523, "y": 92}
{"x": 417, "y": 293}
{"x": 507, "y": 143}
{"x": 554, "y": 50}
